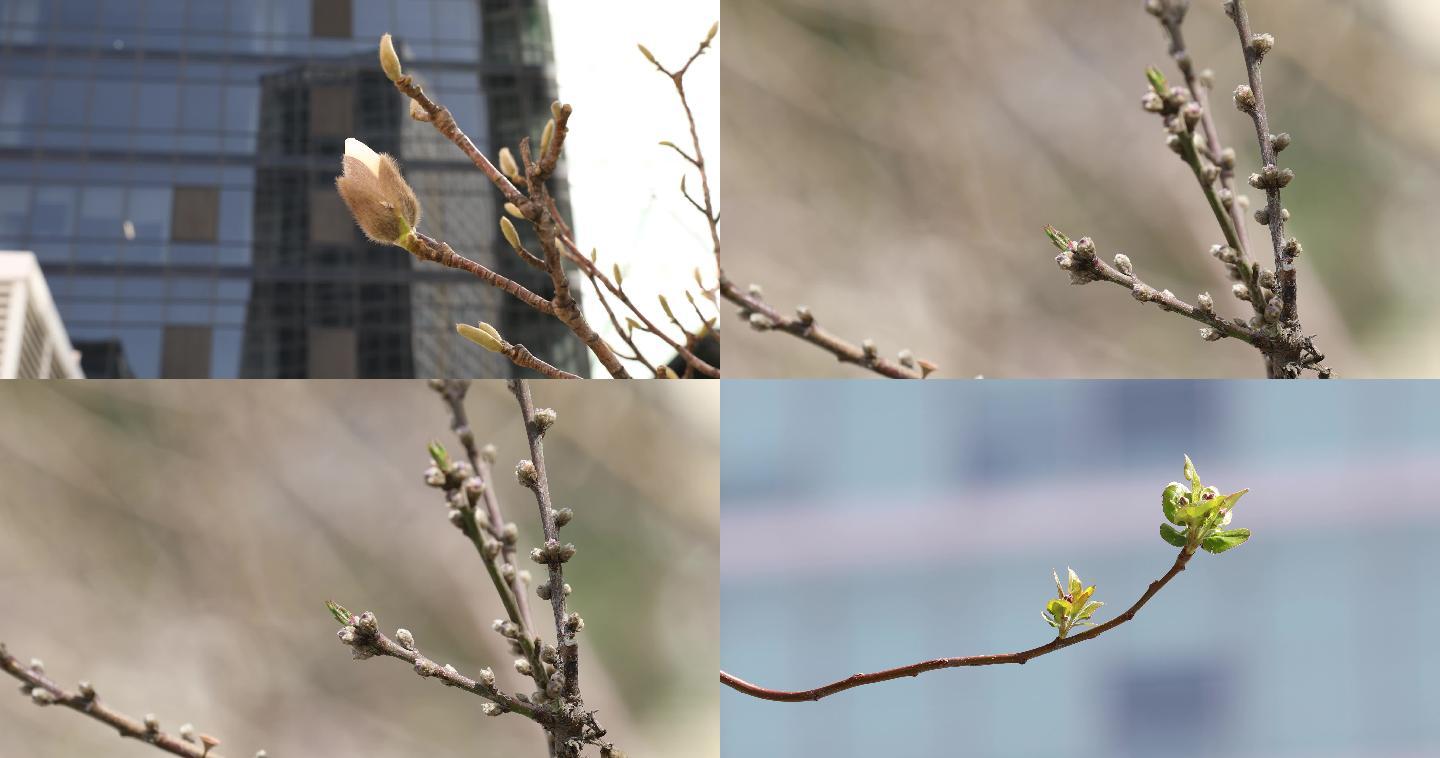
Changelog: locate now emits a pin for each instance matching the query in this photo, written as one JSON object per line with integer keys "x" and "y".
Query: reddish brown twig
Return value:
{"x": 915, "y": 669}
{"x": 45, "y": 691}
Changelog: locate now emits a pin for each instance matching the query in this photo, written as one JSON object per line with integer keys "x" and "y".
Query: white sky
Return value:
{"x": 624, "y": 187}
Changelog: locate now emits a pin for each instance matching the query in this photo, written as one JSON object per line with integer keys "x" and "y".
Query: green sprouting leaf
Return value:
{"x": 1089, "y": 610}
{"x": 1192, "y": 476}
{"x": 1219, "y": 542}
{"x": 1058, "y": 239}
{"x": 1057, "y": 608}
{"x": 338, "y": 611}
{"x": 1075, "y": 584}
{"x": 1078, "y": 601}
{"x": 1172, "y": 535}
{"x": 1157, "y": 80}
{"x": 1049, "y": 621}
{"x": 438, "y": 454}
{"x": 1170, "y": 500}
{"x": 1228, "y": 501}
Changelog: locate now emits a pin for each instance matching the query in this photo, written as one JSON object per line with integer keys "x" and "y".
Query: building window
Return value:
{"x": 331, "y": 353}
{"x": 330, "y": 18}
{"x": 331, "y": 111}
{"x": 185, "y": 352}
{"x": 330, "y": 222}
{"x": 195, "y": 214}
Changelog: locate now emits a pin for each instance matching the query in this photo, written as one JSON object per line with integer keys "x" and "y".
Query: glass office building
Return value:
{"x": 171, "y": 163}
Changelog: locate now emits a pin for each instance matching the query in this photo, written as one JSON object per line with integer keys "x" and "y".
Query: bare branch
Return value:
{"x": 44, "y": 691}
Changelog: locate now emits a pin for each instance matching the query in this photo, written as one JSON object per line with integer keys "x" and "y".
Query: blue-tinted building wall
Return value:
{"x": 171, "y": 164}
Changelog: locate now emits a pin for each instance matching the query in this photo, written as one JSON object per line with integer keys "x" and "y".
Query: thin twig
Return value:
{"x": 1284, "y": 251}
{"x": 44, "y": 691}
{"x": 761, "y": 316}
{"x": 915, "y": 669}
{"x": 553, "y": 555}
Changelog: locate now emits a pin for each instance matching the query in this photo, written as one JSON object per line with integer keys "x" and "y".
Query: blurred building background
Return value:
{"x": 172, "y": 165}
{"x": 33, "y": 342}
{"x": 925, "y": 520}
{"x": 175, "y": 542}
{"x": 892, "y": 166}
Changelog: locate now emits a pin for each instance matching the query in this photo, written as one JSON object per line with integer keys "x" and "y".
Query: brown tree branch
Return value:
{"x": 44, "y": 691}
{"x": 915, "y": 669}
{"x": 761, "y": 316}
{"x": 1255, "y": 48}
{"x": 553, "y": 555}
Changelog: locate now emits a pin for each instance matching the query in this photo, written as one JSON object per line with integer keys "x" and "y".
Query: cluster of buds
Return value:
{"x": 1076, "y": 256}
{"x": 553, "y": 553}
{"x": 1197, "y": 515}
{"x": 1072, "y": 605}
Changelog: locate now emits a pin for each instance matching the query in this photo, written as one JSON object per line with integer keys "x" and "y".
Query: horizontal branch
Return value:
{"x": 915, "y": 669}
{"x": 761, "y": 315}
{"x": 44, "y": 691}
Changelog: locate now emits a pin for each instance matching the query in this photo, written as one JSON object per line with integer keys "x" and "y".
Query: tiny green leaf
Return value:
{"x": 1089, "y": 610}
{"x": 1192, "y": 476}
{"x": 1057, "y": 608}
{"x": 1219, "y": 542}
{"x": 1075, "y": 583}
{"x": 1172, "y": 535}
{"x": 1170, "y": 501}
{"x": 338, "y": 611}
{"x": 438, "y": 454}
{"x": 1157, "y": 80}
{"x": 1059, "y": 240}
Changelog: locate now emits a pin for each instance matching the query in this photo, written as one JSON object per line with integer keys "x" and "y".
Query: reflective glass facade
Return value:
{"x": 171, "y": 164}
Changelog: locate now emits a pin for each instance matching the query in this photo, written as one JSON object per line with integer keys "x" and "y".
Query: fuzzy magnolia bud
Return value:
{"x": 483, "y": 335}
{"x": 1241, "y": 292}
{"x": 544, "y": 419}
{"x": 1122, "y": 262}
{"x": 512, "y": 236}
{"x": 1261, "y": 44}
{"x": 389, "y": 61}
{"x": 405, "y": 638}
{"x": 382, "y": 203}
{"x": 1205, "y": 302}
{"x": 508, "y": 166}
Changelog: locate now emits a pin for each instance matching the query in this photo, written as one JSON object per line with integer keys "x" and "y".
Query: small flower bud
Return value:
{"x": 1245, "y": 98}
{"x": 389, "y": 61}
{"x": 152, "y": 724}
{"x": 760, "y": 322}
{"x": 488, "y": 454}
{"x": 372, "y": 187}
{"x": 187, "y": 731}
{"x": 563, "y": 516}
{"x": 41, "y": 696}
{"x": 1211, "y": 335}
{"x": 1205, "y": 302}
{"x": 523, "y": 666}
{"x": 511, "y": 235}
{"x": 490, "y": 709}
{"x": 508, "y": 167}
{"x": 547, "y": 136}
{"x": 803, "y": 314}
{"x": 367, "y": 624}
{"x": 525, "y": 473}
{"x": 1261, "y": 44}
{"x": 1122, "y": 262}
{"x": 405, "y": 638}
{"x": 1262, "y": 216}
{"x": 1241, "y": 292}
{"x": 544, "y": 419}
{"x": 87, "y": 691}
{"x": 1280, "y": 141}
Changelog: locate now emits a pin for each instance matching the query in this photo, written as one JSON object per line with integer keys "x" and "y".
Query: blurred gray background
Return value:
{"x": 925, "y": 520}
{"x": 893, "y": 164}
{"x": 175, "y": 542}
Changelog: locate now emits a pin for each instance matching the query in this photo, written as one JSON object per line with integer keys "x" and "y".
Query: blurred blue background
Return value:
{"x": 868, "y": 525}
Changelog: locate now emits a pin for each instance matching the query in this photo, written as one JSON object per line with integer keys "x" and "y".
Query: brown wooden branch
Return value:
{"x": 915, "y": 669}
{"x": 428, "y": 248}
{"x": 554, "y": 555}
{"x": 762, "y": 316}
{"x": 44, "y": 691}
